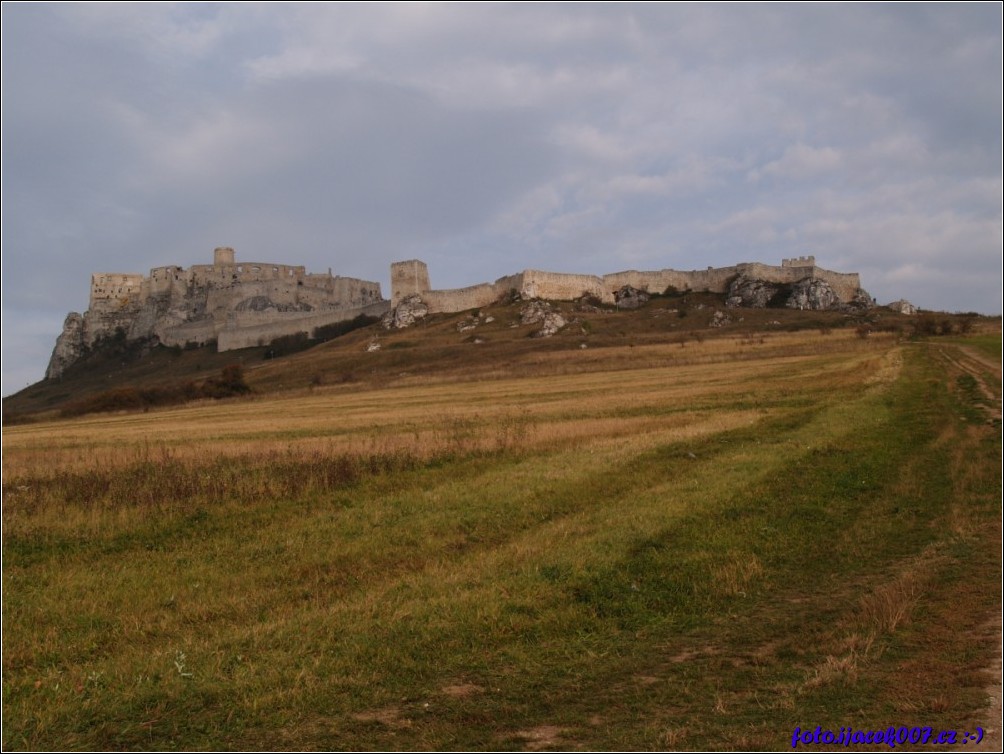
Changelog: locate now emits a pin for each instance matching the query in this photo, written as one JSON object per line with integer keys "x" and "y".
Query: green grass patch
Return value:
{"x": 713, "y": 591}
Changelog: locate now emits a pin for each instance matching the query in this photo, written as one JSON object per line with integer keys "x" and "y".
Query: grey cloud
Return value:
{"x": 490, "y": 138}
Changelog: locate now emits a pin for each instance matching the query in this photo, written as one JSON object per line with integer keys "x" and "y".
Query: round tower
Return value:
{"x": 223, "y": 255}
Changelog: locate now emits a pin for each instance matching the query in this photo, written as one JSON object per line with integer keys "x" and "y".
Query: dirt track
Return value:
{"x": 977, "y": 366}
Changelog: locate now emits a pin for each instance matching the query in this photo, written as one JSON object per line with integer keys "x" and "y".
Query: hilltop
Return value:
{"x": 232, "y": 304}
{"x": 473, "y": 344}
{"x": 478, "y": 537}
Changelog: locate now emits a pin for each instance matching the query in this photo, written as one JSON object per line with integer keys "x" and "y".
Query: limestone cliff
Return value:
{"x": 69, "y": 345}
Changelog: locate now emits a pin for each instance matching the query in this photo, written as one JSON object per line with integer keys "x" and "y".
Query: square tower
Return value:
{"x": 407, "y": 278}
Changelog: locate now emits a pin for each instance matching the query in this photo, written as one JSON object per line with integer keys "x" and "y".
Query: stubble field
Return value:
{"x": 620, "y": 549}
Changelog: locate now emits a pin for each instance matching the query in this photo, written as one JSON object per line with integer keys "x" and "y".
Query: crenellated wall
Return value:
{"x": 809, "y": 261}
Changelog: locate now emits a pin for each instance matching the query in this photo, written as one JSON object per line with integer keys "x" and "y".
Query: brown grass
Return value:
{"x": 422, "y": 415}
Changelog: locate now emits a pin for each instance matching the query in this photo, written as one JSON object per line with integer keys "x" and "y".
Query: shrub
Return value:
{"x": 337, "y": 329}
{"x": 230, "y": 383}
{"x": 287, "y": 344}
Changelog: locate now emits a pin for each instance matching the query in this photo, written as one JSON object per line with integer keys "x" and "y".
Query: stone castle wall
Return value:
{"x": 111, "y": 291}
{"x": 844, "y": 284}
{"x": 559, "y": 286}
{"x": 809, "y": 261}
{"x": 462, "y": 299}
{"x": 408, "y": 278}
{"x": 250, "y": 329}
{"x": 713, "y": 279}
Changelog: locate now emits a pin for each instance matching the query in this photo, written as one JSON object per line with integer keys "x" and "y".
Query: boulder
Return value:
{"x": 719, "y": 319}
{"x": 628, "y": 297}
{"x": 862, "y": 300}
{"x": 540, "y": 311}
{"x": 903, "y": 307}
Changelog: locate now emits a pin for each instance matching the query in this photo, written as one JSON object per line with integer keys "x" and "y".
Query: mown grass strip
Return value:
{"x": 641, "y": 593}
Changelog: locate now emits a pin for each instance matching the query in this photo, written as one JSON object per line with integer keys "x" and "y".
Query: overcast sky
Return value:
{"x": 486, "y": 139}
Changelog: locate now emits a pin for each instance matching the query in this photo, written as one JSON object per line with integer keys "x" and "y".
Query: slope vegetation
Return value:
{"x": 655, "y": 542}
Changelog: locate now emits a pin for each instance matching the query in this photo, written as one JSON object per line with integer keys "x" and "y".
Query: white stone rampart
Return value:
{"x": 561, "y": 286}
{"x": 461, "y": 299}
{"x": 558, "y": 286}
{"x": 844, "y": 284}
{"x": 250, "y": 329}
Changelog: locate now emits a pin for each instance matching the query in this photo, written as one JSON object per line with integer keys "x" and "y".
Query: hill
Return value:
{"x": 679, "y": 537}
{"x": 442, "y": 345}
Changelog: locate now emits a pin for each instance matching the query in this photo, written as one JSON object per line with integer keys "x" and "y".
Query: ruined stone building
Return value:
{"x": 245, "y": 304}
{"x": 236, "y": 304}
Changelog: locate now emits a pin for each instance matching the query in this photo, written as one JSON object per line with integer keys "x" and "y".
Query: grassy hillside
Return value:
{"x": 446, "y": 346}
{"x": 653, "y": 542}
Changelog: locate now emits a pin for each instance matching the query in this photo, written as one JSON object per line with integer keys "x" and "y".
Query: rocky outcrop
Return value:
{"x": 405, "y": 314}
{"x": 629, "y": 297}
{"x": 750, "y": 292}
{"x": 812, "y": 294}
{"x": 70, "y": 346}
{"x": 809, "y": 293}
{"x": 541, "y": 312}
{"x": 862, "y": 300}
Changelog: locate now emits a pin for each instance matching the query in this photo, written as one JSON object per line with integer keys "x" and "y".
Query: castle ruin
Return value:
{"x": 412, "y": 278}
{"x": 236, "y": 304}
{"x": 245, "y": 304}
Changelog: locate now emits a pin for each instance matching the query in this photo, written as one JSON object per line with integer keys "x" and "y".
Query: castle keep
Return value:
{"x": 245, "y": 304}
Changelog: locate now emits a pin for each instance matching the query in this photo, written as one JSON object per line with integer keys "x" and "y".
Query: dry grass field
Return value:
{"x": 662, "y": 545}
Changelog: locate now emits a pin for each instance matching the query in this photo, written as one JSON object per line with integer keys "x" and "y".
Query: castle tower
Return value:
{"x": 808, "y": 261}
{"x": 223, "y": 255}
{"x": 407, "y": 278}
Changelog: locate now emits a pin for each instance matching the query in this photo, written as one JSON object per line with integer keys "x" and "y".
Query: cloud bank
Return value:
{"x": 486, "y": 139}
